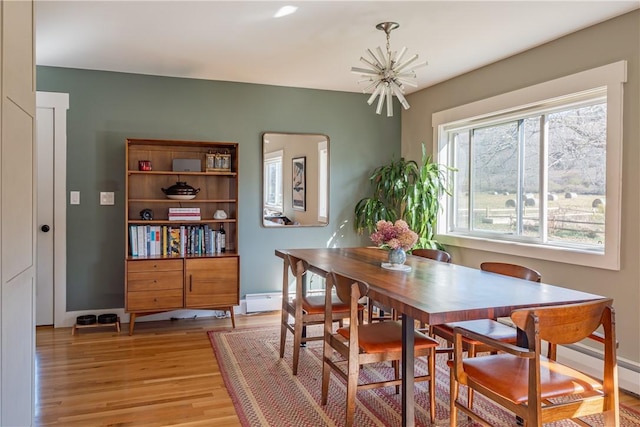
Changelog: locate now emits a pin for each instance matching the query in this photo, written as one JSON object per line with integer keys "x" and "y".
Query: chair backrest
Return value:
{"x": 348, "y": 290}
{"x": 434, "y": 254}
{"x": 512, "y": 270}
{"x": 299, "y": 268}
{"x": 566, "y": 324}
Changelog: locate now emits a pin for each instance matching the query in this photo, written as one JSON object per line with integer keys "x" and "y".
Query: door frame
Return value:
{"x": 59, "y": 102}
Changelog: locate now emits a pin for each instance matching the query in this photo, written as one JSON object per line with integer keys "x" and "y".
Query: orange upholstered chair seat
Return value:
{"x": 386, "y": 337}
{"x": 508, "y": 376}
{"x": 315, "y": 305}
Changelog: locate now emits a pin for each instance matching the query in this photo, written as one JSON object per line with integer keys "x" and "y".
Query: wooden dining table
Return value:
{"x": 433, "y": 292}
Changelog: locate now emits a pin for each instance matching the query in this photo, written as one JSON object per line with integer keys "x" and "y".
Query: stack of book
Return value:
{"x": 184, "y": 214}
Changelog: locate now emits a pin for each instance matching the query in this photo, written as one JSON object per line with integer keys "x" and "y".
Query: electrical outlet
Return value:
{"x": 107, "y": 198}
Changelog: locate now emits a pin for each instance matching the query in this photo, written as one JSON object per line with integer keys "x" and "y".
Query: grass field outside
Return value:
{"x": 571, "y": 217}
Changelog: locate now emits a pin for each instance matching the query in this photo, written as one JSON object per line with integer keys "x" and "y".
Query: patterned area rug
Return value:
{"x": 265, "y": 393}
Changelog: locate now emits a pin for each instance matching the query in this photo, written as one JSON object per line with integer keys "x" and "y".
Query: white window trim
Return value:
{"x": 271, "y": 157}
{"x": 613, "y": 76}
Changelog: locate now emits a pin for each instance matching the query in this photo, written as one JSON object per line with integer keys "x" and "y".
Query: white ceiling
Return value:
{"x": 316, "y": 47}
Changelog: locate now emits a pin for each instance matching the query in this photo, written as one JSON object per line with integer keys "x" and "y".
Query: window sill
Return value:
{"x": 609, "y": 260}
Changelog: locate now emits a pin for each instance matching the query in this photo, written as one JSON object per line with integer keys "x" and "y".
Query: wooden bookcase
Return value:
{"x": 195, "y": 278}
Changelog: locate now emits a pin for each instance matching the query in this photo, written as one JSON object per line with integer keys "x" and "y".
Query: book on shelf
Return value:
{"x": 183, "y": 217}
{"x": 157, "y": 240}
{"x": 174, "y": 241}
{"x": 133, "y": 240}
{"x": 151, "y": 240}
{"x": 165, "y": 240}
{"x": 142, "y": 240}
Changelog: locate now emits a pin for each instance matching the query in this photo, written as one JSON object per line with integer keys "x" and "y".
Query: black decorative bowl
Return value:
{"x": 87, "y": 319}
{"x": 107, "y": 318}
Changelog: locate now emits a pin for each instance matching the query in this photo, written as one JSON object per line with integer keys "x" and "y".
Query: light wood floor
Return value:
{"x": 165, "y": 374}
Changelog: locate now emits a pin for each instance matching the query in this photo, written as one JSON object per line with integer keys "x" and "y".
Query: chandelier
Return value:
{"x": 387, "y": 73}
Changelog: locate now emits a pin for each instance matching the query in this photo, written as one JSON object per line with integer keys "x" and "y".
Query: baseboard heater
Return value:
{"x": 269, "y": 301}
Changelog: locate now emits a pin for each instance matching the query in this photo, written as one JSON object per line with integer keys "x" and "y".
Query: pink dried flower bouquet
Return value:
{"x": 394, "y": 236}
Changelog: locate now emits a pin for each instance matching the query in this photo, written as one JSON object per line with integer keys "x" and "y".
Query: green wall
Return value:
{"x": 106, "y": 108}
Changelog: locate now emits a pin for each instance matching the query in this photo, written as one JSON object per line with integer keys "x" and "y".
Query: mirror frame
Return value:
{"x": 309, "y": 189}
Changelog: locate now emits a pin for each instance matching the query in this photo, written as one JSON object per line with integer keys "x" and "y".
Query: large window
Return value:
{"x": 538, "y": 170}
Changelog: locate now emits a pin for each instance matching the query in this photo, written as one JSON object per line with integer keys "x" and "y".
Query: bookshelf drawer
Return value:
{"x": 156, "y": 300}
{"x": 154, "y": 280}
{"x": 154, "y": 265}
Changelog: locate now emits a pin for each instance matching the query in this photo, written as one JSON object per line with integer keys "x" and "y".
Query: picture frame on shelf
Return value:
{"x": 298, "y": 188}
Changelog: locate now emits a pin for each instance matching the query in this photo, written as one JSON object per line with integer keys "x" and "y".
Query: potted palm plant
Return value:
{"x": 404, "y": 189}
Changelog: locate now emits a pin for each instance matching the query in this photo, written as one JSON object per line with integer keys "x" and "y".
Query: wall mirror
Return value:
{"x": 295, "y": 180}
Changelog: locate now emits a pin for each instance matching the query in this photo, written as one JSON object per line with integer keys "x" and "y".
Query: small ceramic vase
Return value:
{"x": 397, "y": 256}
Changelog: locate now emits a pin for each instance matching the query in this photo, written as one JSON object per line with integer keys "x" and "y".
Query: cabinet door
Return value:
{"x": 212, "y": 282}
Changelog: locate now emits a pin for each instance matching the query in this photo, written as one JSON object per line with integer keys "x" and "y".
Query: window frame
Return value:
{"x": 275, "y": 157}
{"x": 612, "y": 77}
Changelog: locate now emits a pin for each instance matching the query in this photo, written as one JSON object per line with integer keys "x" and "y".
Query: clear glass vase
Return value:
{"x": 397, "y": 256}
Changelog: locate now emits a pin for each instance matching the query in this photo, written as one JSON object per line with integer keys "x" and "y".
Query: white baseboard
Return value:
{"x": 70, "y": 316}
{"x": 589, "y": 361}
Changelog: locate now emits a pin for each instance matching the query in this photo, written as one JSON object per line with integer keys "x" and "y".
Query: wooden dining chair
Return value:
{"x": 385, "y": 312}
{"x": 434, "y": 254}
{"x": 304, "y": 309}
{"x": 358, "y": 344}
{"x": 487, "y": 327}
{"x": 538, "y": 389}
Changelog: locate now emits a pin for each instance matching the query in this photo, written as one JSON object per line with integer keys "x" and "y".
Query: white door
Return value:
{"x": 50, "y": 228}
{"x": 44, "y": 216}
{"x": 17, "y": 213}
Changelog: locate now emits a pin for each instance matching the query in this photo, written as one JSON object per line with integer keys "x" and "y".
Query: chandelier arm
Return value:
{"x": 407, "y": 82}
{"x": 358, "y": 70}
{"x": 384, "y": 60}
{"x": 375, "y": 58}
{"x": 380, "y": 101}
{"x": 405, "y": 64}
{"x": 375, "y": 93}
{"x": 400, "y": 55}
{"x": 371, "y": 64}
{"x": 373, "y": 85}
{"x": 400, "y": 97}
{"x": 389, "y": 101}
{"x": 418, "y": 65}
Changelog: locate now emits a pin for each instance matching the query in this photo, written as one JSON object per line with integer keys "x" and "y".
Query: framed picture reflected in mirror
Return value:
{"x": 299, "y": 183}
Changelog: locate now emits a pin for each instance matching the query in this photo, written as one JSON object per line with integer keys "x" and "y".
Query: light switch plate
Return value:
{"x": 74, "y": 197}
{"x": 107, "y": 198}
